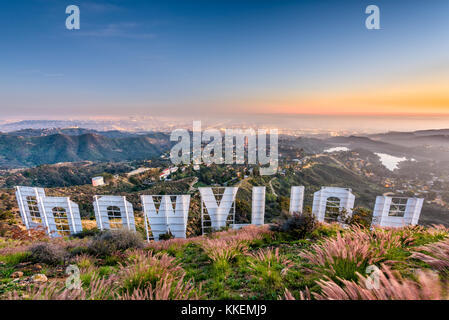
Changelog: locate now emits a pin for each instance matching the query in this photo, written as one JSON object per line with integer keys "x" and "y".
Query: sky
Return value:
{"x": 221, "y": 58}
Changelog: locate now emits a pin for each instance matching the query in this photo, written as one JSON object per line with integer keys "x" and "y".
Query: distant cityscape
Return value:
{"x": 293, "y": 125}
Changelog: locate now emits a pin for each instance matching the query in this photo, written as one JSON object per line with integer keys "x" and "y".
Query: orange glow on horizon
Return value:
{"x": 428, "y": 98}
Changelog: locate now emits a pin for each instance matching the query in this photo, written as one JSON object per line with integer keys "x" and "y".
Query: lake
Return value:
{"x": 389, "y": 161}
{"x": 336, "y": 149}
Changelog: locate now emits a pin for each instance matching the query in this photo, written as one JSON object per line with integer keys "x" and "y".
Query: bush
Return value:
{"x": 145, "y": 269}
{"x": 87, "y": 233}
{"x": 166, "y": 236}
{"x": 361, "y": 216}
{"x": 15, "y": 258}
{"x": 296, "y": 225}
{"x": 78, "y": 251}
{"x": 48, "y": 253}
{"x": 269, "y": 268}
{"x": 17, "y": 233}
{"x": 108, "y": 242}
{"x": 6, "y": 215}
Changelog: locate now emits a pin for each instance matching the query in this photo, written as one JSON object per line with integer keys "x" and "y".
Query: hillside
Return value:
{"x": 430, "y": 143}
{"x": 57, "y": 160}
{"x": 26, "y": 151}
{"x": 295, "y": 259}
{"x": 399, "y": 144}
{"x": 70, "y": 132}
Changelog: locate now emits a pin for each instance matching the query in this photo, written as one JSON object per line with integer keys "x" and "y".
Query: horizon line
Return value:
{"x": 226, "y": 115}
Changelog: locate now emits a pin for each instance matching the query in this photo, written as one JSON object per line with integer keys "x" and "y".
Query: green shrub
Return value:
{"x": 78, "y": 251}
{"x": 361, "y": 217}
{"x": 269, "y": 268}
{"x": 105, "y": 271}
{"x": 86, "y": 278}
{"x": 87, "y": 233}
{"x": 15, "y": 258}
{"x": 84, "y": 261}
{"x": 6, "y": 215}
{"x": 296, "y": 225}
{"x": 166, "y": 236}
{"x": 108, "y": 242}
{"x": 48, "y": 253}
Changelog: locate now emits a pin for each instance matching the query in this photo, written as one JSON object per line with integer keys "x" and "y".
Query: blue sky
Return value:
{"x": 213, "y": 57}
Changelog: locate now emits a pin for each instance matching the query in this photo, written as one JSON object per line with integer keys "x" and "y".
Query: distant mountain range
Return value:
{"x": 420, "y": 145}
{"x": 435, "y": 138}
{"x": 130, "y": 125}
{"x": 35, "y": 147}
{"x": 73, "y": 132}
{"x": 32, "y": 147}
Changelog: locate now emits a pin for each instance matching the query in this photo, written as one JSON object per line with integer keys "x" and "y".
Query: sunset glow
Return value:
{"x": 217, "y": 58}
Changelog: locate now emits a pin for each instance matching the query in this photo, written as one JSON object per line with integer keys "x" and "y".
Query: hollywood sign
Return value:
{"x": 169, "y": 213}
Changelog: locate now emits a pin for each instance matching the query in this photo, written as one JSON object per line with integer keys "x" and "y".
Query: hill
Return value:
{"x": 70, "y": 132}
{"x": 287, "y": 261}
{"x": 434, "y": 142}
{"x": 27, "y": 150}
{"x": 410, "y": 145}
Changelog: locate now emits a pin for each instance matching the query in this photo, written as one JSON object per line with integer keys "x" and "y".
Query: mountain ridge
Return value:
{"x": 26, "y": 151}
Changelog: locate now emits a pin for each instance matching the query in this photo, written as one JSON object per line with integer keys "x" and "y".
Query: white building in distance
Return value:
{"x": 97, "y": 181}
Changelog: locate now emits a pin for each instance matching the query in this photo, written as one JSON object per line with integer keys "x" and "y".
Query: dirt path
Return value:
{"x": 191, "y": 188}
{"x": 271, "y": 187}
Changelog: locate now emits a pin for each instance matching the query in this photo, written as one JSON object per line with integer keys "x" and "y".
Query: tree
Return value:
{"x": 361, "y": 216}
